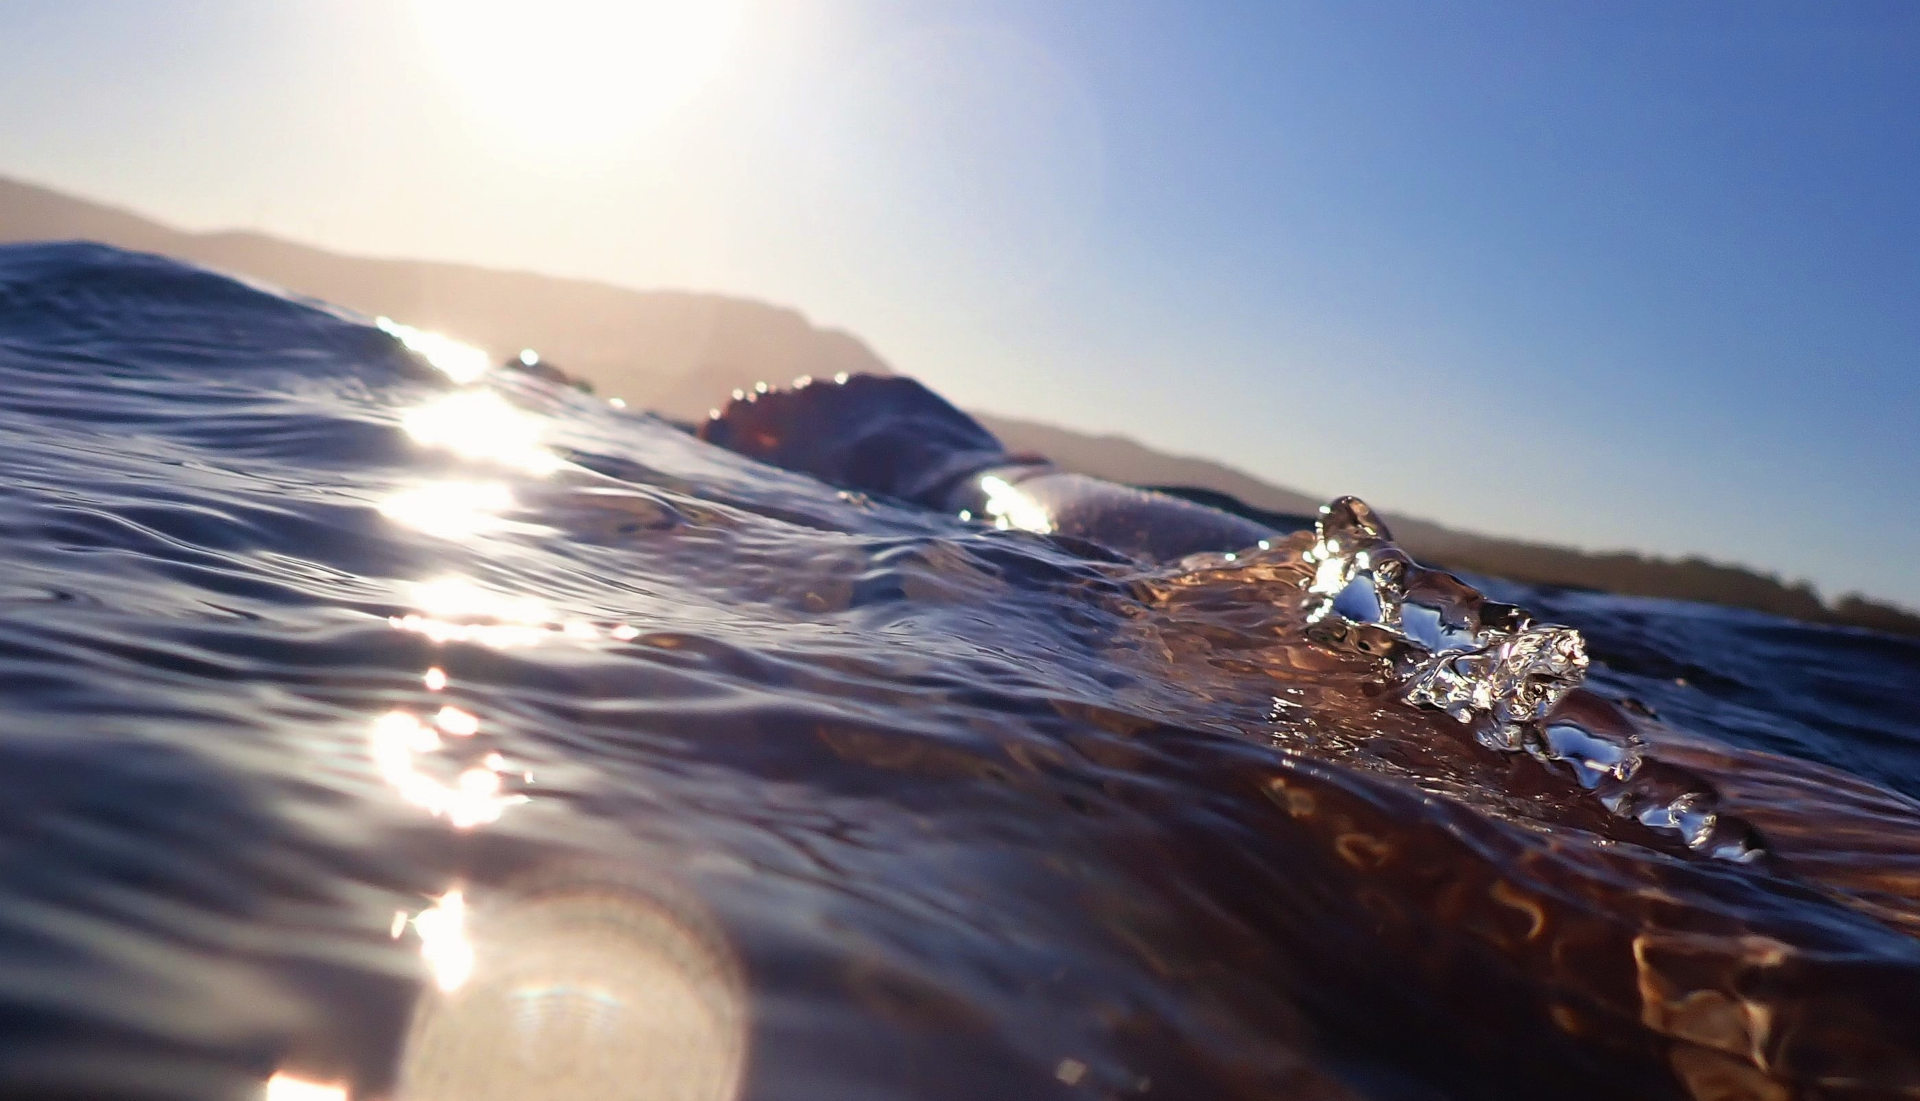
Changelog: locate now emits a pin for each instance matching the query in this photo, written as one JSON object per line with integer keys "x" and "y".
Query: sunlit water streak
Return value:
{"x": 655, "y": 772}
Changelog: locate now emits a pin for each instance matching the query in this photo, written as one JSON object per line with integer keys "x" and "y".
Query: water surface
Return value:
{"x": 381, "y": 729}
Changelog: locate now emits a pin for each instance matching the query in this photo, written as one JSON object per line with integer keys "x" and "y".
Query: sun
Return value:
{"x": 555, "y": 76}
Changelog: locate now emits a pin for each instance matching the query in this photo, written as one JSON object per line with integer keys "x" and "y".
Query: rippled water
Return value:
{"x": 364, "y": 732}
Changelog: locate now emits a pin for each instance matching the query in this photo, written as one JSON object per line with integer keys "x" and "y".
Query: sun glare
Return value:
{"x": 558, "y": 75}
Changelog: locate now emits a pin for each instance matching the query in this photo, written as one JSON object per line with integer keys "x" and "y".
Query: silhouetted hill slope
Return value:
{"x": 679, "y": 353}
{"x": 1123, "y": 460}
{"x": 674, "y": 351}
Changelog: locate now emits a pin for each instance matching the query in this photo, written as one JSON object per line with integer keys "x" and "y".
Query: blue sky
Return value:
{"x": 1618, "y": 275}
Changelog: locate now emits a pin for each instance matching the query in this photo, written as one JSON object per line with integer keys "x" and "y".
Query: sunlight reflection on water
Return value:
{"x": 287, "y": 1087}
{"x": 475, "y": 795}
{"x": 482, "y": 426}
{"x": 442, "y": 929}
{"x": 1011, "y": 508}
{"x": 463, "y": 781}
{"x": 451, "y": 510}
{"x": 459, "y": 361}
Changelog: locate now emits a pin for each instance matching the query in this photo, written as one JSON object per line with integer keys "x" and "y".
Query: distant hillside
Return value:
{"x": 1123, "y": 460}
{"x": 674, "y": 351}
{"x": 679, "y": 353}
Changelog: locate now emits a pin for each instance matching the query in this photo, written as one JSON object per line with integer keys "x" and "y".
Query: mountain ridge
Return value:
{"x": 680, "y": 352}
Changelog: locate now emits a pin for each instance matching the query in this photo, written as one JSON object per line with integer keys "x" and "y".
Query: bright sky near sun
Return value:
{"x": 1622, "y": 275}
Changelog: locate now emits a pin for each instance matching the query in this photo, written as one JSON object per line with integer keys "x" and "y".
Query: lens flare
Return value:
{"x": 587, "y": 991}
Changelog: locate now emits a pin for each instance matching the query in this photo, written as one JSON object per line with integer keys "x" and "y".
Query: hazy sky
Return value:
{"x": 1611, "y": 274}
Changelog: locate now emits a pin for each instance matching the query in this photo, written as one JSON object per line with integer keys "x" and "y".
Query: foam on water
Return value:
{"x": 376, "y": 727}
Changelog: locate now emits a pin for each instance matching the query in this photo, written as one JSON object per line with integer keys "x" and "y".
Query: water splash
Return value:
{"x": 1491, "y": 667}
{"x": 1485, "y": 663}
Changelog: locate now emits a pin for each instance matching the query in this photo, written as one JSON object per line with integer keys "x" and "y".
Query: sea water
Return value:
{"x": 376, "y": 723}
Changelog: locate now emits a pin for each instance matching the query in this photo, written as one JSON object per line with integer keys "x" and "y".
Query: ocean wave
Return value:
{"x": 378, "y": 729}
